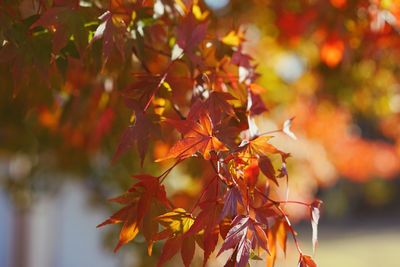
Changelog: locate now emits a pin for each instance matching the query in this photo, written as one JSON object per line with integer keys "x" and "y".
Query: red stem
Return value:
{"x": 290, "y": 228}
{"x": 165, "y": 173}
{"x": 202, "y": 194}
{"x": 159, "y": 85}
{"x": 277, "y": 205}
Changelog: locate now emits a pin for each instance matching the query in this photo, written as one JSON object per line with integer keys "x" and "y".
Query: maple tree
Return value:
{"x": 184, "y": 88}
{"x": 235, "y": 195}
{"x": 186, "y": 76}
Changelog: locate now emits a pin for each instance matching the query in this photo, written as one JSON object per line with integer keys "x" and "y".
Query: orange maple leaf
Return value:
{"x": 197, "y": 137}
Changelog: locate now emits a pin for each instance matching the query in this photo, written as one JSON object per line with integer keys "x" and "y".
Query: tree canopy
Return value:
{"x": 171, "y": 84}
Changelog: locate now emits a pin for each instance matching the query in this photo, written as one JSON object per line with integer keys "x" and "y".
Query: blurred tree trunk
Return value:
{"x": 20, "y": 238}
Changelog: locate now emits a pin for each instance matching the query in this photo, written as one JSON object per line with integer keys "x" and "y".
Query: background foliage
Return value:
{"x": 75, "y": 74}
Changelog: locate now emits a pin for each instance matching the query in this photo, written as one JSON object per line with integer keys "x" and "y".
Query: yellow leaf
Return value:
{"x": 159, "y": 105}
{"x": 128, "y": 233}
{"x": 104, "y": 99}
{"x": 232, "y": 39}
{"x": 198, "y": 14}
{"x": 132, "y": 119}
{"x": 178, "y": 220}
{"x": 166, "y": 85}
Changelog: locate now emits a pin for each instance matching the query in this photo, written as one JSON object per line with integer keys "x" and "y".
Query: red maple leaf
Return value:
{"x": 260, "y": 146}
{"x": 197, "y": 137}
{"x": 138, "y": 200}
{"x": 245, "y": 234}
{"x": 216, "y": 105}
{"x": 65, "y": 19}
{"x": 306, "y": 261}
{"x": 267, "y": 168}
{"x": 190, "y": 32}
{"x": 178, "y": 222}
{"x": 144, "y": 126}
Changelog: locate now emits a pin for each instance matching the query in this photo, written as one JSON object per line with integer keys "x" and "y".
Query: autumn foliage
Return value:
{"x": 186, "y": 91}
{"x": 206, "y": 87}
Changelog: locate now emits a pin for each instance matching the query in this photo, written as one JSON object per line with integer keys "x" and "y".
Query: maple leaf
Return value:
{"x": 197, "y": 137}
{"x": 306, "y": 261}
{"x": 266, "y": 167}
{"x": 190, "y": 32}
{"x": 257, "y": 105}
{"x": 127, "y": 216}
{"x": 243, "y": 234}
{"x": 186, "y": 245}
{"x": 286, "y": 128}
{"x": 251, "y": 173}
{"x": 217, "y": 105}
{"x": 259, "y": 146}
{"x": 65, "y": 19}
{"x": 315, "y": 213}
{"x": 150, "y": 226}
{"x": 231, "y": 199}
{"x": 26, "y": 59}
{"x": 138, "y": 133}
{"x": 138, "y": 201}
{"x": 276, "y": 235}
{"x": 188, "y": 250}
{"x": 138, "y": 95}
{"x": 112, "y": 31}
{"x": 171, "y": 247}
{"x": 208, "y": 220}
{"x": 265, "y": 212}
{"x": 241, "y": 59}
{"x": 176, "y": 86}
{"x": 224, "y": 227}
{"x": 113, "y": 28}
{"x": 177, "y": 222}
{"x": 233, "y": 38}
{"x": 238, "y": 230}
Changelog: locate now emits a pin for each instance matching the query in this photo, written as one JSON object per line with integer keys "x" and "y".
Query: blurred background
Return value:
{"x": 333, "y": 64}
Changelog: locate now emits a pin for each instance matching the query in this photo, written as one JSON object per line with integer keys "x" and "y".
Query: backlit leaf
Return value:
{"x": 198, "y": 137}
{"x": 286, "y": 128}
{"x": 315, "y": 214}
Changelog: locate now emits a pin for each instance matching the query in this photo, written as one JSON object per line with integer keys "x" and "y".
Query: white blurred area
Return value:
{"x": 60, "y": 232}
{"x": 5, "y": 233}
{"x": 289, "y": 67}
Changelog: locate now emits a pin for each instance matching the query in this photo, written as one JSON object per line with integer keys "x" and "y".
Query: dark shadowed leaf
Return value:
{"x": 171, "y": 247}
{"x": 139, "y": 133}
{"x": 267, "y": 168}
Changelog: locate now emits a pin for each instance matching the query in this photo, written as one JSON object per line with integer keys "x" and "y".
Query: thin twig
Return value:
{"x": 202, "y": 194}
{"x": 165, "y": 173}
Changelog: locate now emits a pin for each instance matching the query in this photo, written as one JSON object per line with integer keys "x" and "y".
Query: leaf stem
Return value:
{"x": 165, "y": 173}
{"x": 277, "y": 205}
{"x": 290, "y": 228}
{"x": 164, "y": 76}
{"x": 202, "y": 194}
{"x": 270, "y": 132}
